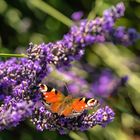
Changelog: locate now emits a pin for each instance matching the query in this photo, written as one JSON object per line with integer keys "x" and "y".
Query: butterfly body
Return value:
{"x": 67, "y": 106}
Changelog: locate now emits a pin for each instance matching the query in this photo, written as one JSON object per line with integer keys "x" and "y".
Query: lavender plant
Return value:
{"x": 20, "y": 77}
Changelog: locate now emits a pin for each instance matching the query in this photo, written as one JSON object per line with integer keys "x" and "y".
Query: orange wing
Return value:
{"x": 52, "y": 98}
{"x": 81, "y": 104}
{"x": 71, "y": 107}
{"x": 67, "y": 111}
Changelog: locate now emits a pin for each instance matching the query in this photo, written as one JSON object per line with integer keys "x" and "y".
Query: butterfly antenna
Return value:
{"x": 66, "y": 87}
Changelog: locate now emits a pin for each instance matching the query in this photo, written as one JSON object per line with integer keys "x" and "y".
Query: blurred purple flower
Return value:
{"x": 103, "y": 85}
{"x": 115, "y": 12}
{"x": 123, "y": 36}
{"x": 77, "y": 15}
{"x": 107, "y": 84}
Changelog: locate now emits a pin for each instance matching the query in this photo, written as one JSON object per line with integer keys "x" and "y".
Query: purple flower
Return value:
{"x": 43, "y": 120}
{"x": 77, "y": 15}
{"x": 14, "y": 111}
{"x": 107, "y": 84}
{"x": 71, "y": 47}
{"x": 115, "y": 12}
{"x": 123, "y": 36}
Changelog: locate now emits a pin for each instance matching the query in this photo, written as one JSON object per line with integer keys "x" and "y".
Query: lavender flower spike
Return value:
{"x": 13, "y": 112}
{"x": 43, "y": 120}
{"x": 72, "y": 46}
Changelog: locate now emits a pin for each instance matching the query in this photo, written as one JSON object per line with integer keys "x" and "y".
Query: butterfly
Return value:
{"x": 66, "y": 106}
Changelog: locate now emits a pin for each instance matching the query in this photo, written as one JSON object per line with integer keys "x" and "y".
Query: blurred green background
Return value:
{"x": 24, "y": 21}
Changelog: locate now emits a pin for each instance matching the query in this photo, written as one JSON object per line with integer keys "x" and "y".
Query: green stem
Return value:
{"x": 12, "y": 55}
{"x": 51, "y": 11}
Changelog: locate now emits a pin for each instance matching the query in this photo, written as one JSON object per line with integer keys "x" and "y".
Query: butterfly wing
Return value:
{"x": 81, "y": 104}
{"x": 67, "y": 111}
{"x": 51, "y": 97}
{"x": 65, "y": 108}
{"x": 72, "y": 107}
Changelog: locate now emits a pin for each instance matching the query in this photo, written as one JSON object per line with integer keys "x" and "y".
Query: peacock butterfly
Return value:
{"x": 66, "y": 106}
